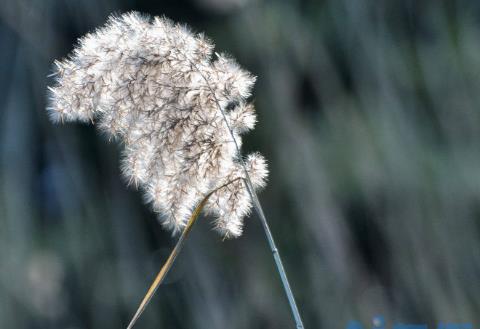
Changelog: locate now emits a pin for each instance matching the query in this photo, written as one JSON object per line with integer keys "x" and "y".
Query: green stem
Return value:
{"x": 259, "y": 210}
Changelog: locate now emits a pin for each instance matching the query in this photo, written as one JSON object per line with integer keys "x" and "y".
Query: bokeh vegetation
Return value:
{"x": 369, "y": 116}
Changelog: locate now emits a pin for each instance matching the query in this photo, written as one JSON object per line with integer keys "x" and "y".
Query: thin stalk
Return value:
{"x": 173, "y": 255}
{"x": 258, "y": 208}
{"x": 276, "y": 256}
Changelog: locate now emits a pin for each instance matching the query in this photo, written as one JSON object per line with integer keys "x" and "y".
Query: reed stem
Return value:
{"x": 171, "y": 259}
{"x": 259, "y": 210}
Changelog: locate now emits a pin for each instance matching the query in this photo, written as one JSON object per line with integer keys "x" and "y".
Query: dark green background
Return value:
{"x": 369, "y": 116}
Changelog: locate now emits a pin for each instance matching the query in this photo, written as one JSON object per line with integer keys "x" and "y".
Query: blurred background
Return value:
{"x": 369, "y": 116}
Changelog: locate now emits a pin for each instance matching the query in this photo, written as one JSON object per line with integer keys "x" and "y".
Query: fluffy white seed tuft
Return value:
{"x": 152, "y": 84}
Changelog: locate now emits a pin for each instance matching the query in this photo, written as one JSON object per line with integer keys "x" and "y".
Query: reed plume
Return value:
{"x": 153, "y": 85}
{"x": 144, "y": 82}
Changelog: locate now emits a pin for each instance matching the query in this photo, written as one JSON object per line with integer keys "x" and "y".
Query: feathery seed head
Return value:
{"x": 153, "y": 85}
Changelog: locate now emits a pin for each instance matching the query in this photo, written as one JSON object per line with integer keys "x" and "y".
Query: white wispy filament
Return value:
{"x": 154, "y": 86}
